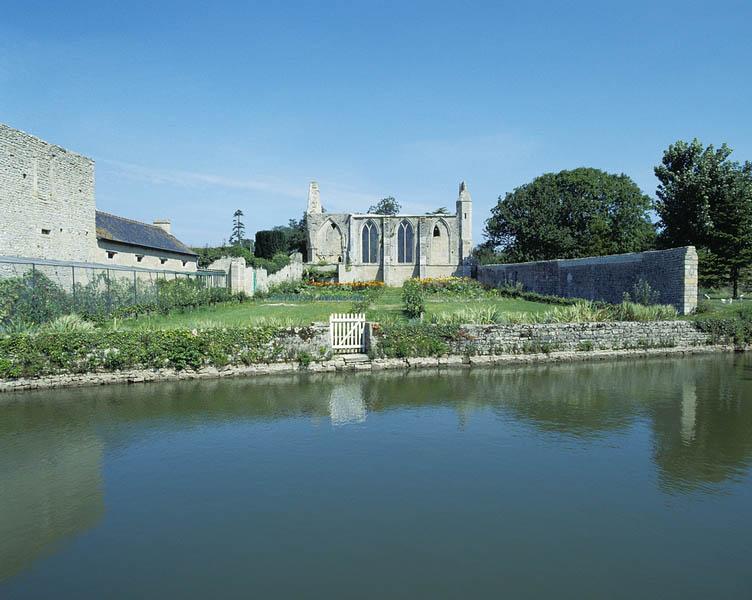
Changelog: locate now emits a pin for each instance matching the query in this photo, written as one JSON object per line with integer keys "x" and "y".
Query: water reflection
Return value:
{"x": 346, "y": 404}
{"x": 50, "y": 489}
{"x": 698, "y": 413}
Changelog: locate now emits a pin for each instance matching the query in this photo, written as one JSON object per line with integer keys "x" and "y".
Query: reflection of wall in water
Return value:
{"x": 50, "y": 489}
{"x": 702, "y": 423}
{"x": 346, "y": 404}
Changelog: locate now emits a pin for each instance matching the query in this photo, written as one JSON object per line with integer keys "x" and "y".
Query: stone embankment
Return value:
{"x": 477, "y": 345}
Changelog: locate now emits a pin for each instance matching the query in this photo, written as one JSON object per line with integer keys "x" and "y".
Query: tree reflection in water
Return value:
{"x": 52, "y": 443}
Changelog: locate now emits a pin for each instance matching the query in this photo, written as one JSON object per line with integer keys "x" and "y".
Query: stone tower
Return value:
{"x": 314, "y": 200}
{"x": 465, "y": 222}
{"x": 46, "y": 200}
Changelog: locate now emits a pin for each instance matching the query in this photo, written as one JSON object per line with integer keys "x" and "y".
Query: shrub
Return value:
{"x": 78, "y": 351}
{"x": 68, "y": 324}
{"x": 403, "y": 340}
{"x": 631, "y": 311}
{"x": 272, "y": 265}
{"x": 453, "y": 286}
{"x": 412, "y": 298}
{"x": 642, "y": 293}
{"x": 733, "y": 327}
{"x": 480, "y": 316}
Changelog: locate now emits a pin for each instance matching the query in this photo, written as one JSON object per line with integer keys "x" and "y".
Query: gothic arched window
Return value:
{"x": 405, "y": 243}
{"x": 369, "y": 238}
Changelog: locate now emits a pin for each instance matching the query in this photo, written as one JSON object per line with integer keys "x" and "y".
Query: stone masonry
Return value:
{"x": 671, "y": 273}
{"x": 390, "y": 248}
{"x": 46, "y": 199}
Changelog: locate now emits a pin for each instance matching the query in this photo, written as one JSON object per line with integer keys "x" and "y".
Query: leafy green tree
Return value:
{"x": 385, "y": 206}
{"x": 705, "y": 200}
{"x": 440, "y": 211}
{"x": 295, "y": 235}
{"x": 484, "y": 254}
{"x": 571, "y": 214}
{"x": 238, "y": 229}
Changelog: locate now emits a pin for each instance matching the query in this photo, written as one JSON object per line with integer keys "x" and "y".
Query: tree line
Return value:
{"x": 703, "y": 199}
{"x": 270, "y": 248}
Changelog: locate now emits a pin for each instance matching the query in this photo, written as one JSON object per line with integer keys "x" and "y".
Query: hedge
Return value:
{"x": 268, "y": 243}
{"x": 30, "y": 355}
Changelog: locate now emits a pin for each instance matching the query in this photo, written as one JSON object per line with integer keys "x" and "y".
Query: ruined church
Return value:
{"x": 390, "y": 248}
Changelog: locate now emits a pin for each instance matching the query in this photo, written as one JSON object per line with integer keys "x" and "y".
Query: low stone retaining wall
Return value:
{"x": 515, "y": 339}
{"x": 341, "y": 364}
{"x": 474, "y": 345}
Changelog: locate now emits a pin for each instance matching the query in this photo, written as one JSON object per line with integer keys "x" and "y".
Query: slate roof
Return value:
{"x": 126, "y": 231}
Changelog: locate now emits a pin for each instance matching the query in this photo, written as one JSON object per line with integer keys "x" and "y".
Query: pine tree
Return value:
{"x": 238, "y": 229}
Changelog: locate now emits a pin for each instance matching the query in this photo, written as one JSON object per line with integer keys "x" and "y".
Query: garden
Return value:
{"x": 185, "y": 324}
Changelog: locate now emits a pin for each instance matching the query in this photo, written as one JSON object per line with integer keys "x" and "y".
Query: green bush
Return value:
{"x": 734, "y": 327}
{"x": 402, "y": 340}
{"x": 276, "y": 263}
{"x": 80, "y": 351}
{"x": 413, "y": 299}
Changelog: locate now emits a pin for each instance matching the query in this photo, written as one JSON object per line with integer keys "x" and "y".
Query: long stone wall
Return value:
{"x": 672, "y": 273}
{"x": 580, "y": 337}
{"x": 477, "y": 345}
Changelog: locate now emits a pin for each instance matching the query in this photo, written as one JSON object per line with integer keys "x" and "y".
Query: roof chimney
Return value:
{"x": 164, "y": 224}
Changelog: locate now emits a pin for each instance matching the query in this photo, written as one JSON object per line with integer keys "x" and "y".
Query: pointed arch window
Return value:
{"x": 405, "y": 243}
{"x": 369, "y": 238}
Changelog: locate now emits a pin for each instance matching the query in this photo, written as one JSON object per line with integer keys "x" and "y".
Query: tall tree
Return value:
{"x": 295, "y": 234}
{"x": 705, "y": 200}
{"x": 571, "y": 214}
{"x": 238, "y": 229}
{"x": 385, "y": 206}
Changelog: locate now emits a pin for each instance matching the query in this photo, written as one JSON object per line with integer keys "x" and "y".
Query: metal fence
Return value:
{"x": 42, "y": 289}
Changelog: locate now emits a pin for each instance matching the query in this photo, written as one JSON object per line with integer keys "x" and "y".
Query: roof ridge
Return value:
{"x": 149, "y": 236}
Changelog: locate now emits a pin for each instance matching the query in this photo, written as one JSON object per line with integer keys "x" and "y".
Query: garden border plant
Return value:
{"x": 84, "y": 351}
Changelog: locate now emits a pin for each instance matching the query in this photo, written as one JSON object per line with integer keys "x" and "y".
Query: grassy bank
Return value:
{"x": 288, "y": 310}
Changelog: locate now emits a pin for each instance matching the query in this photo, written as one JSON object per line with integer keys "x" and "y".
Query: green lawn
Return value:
{"x": 389, "y": 305}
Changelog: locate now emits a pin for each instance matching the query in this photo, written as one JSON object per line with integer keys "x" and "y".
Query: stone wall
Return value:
{"x": 581, "y": 337}
{"x": 671, "y": 273}
{"x": 254, "y": 280}
{"x": 46, "y": 199}
{"x": 478, "y": 345}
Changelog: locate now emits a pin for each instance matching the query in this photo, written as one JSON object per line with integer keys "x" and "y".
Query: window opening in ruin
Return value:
{"x": 405, "y": 242}
{"x": 45, "y": 232}
{"x": 370, "y": 243}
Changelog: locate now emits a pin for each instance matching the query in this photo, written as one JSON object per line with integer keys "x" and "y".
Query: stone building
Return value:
{"x": 390, "y": 248}
{"x": 48, "y": 208}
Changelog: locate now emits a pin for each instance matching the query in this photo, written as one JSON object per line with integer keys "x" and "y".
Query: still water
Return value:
{"x": 621, "y": 479}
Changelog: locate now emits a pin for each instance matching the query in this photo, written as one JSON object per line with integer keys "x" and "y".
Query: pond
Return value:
{"x": 619, "y": 479}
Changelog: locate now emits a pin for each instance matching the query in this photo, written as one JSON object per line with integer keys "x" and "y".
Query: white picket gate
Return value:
{"x": 347, "y": 332}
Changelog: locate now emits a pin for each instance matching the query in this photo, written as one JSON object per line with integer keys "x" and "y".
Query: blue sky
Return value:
{"x": 194, "y": 109}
